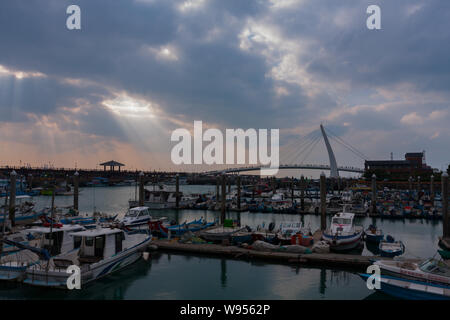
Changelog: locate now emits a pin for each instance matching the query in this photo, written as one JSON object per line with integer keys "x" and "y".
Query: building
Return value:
{"x": 413, "y": 165}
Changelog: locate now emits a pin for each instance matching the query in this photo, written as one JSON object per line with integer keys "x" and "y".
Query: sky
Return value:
{"x": 139, "y": 69}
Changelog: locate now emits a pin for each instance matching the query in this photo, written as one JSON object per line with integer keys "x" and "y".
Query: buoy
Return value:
{"x": 146, "y": 255}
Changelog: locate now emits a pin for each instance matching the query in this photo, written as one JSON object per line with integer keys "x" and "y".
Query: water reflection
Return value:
{"x": 223, "y": 273}
{"x": 323, "y": 281}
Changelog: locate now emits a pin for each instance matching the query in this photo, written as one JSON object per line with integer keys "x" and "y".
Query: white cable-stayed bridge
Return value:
{"x": 299, "y": 150}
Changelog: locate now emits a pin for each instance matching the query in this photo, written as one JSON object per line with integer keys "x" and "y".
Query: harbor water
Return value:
{"x": 178, "y": 276}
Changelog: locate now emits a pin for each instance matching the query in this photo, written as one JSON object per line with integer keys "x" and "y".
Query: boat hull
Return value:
{"x": 411, "y": 290}
{"x": 89, "y": 273}
{"x": 343, "y": 243}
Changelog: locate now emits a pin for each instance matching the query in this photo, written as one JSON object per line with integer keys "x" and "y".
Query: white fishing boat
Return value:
{"x": 429, "y": 270}
{"x": 102, "y": 252}
{"x": 343, "y": 235}
{"x": 411, "y": 290}
{"x": 165, "y": 198}
{"x": 49, "y": 242}
{"x": 136, "y": 216}
{"x": 220, "y": 233}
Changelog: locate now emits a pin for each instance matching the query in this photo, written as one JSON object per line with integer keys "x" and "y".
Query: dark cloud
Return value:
{"x": 211, "y": 78}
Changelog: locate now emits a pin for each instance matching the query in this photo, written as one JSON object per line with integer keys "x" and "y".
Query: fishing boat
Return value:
{"x": 178, "y": 230}
{"x": 428, "y": 270}
{"x": 391, "y": 248}
{"x": 102, "y": 252}
{"x": 288, "y": 229}
{"x": 23, "y": 237}
{"x": 136, "y": 216}
{"x": 24, "y": 211}
{"x": 52, "y": 242}
{"x": 245, "y": 236}
{"x": 220, "y": 233}
{"x": 373, "y": 234}
{"x": 163, "y": 199}
{"x": 411, "y": 290}
{"x": 343, "y": 235}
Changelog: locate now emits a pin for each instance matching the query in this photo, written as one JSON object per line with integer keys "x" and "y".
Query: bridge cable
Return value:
{"x": 304, "y": 147}
{"x": 310, "y": 150}
{"x": 347, "y": 145}
{"x": 304, "y": 150}
{"x": 294, "y": 146}
{"x": 299, "y": 146}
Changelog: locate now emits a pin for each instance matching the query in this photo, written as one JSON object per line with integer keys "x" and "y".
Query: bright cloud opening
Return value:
{"x": 126, "y": 106}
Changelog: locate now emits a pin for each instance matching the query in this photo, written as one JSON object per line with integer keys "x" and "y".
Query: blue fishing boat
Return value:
{"x": 373, "y": 234}
{"x": 180, "y": 229}
{"x": 245, "y": 236}
{"x": 410, "y": 289}
{"x": 391, "y": 248}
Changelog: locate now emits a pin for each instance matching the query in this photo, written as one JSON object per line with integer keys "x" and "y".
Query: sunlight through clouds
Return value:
{"x": 126, "y": 106}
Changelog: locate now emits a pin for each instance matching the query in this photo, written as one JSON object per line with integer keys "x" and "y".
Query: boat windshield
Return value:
{"x": 434, "y": 266}
{"x": 132, "y": 213}
{"x": 342, "y": 221}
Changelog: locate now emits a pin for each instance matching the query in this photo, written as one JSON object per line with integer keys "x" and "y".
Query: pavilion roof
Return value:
{"x": 112, "y": 163}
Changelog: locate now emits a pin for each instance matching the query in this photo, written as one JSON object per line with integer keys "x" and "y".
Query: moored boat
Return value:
{"x": 373, "y": 234}
{"x": 220, "y": 233}
{"x": 135, "y": 217}
{"x": 52, "y": 242}
{"x": 178, "y": 230}
{"x": 411, "y": 290}
{"x": 428, "y": 270}
{"x": 102, "y": 251}
{"x": 391, "y": 248}
{"x": 343, "y": 235}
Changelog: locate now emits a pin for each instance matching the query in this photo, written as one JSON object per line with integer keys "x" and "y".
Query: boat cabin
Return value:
{"x": 98, "y": 244}
{"x": 289, "y": 229}
{"x": 137, "y": 215}
{"x": 138, "y": 212}
{"x": 342, "y": 222}
{"x": 57, "y": 240}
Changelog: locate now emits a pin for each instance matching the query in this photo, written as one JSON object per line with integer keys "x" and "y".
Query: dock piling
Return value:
{"x": 141, "y": 189}
{"x": 410, "y": 185}
{"x": 323, "y": 202}
{"x": 30, "y": 181}
{"x": 292, "y": 190}
{"x": 239, "y": 192}
{"x": 302, "y": 193}
{"x": 432, "y": 190}
{"x": 445, "y": 222}
{"x": 374, "y": 194}
{"x": 12, "y": 198}
{"x": 177, "y": 191}
{"x": 76, "y": 179}
{"x": 222, "y": 211}
{"x": 217, "y": 190}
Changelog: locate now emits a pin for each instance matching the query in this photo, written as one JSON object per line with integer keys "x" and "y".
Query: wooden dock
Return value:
{"x": 347, "y": 261}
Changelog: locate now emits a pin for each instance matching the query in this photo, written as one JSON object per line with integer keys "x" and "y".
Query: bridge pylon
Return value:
{"x": 334, "y": 172}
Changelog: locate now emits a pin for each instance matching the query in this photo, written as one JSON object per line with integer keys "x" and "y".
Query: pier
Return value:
{"x": 333, "y": 260}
